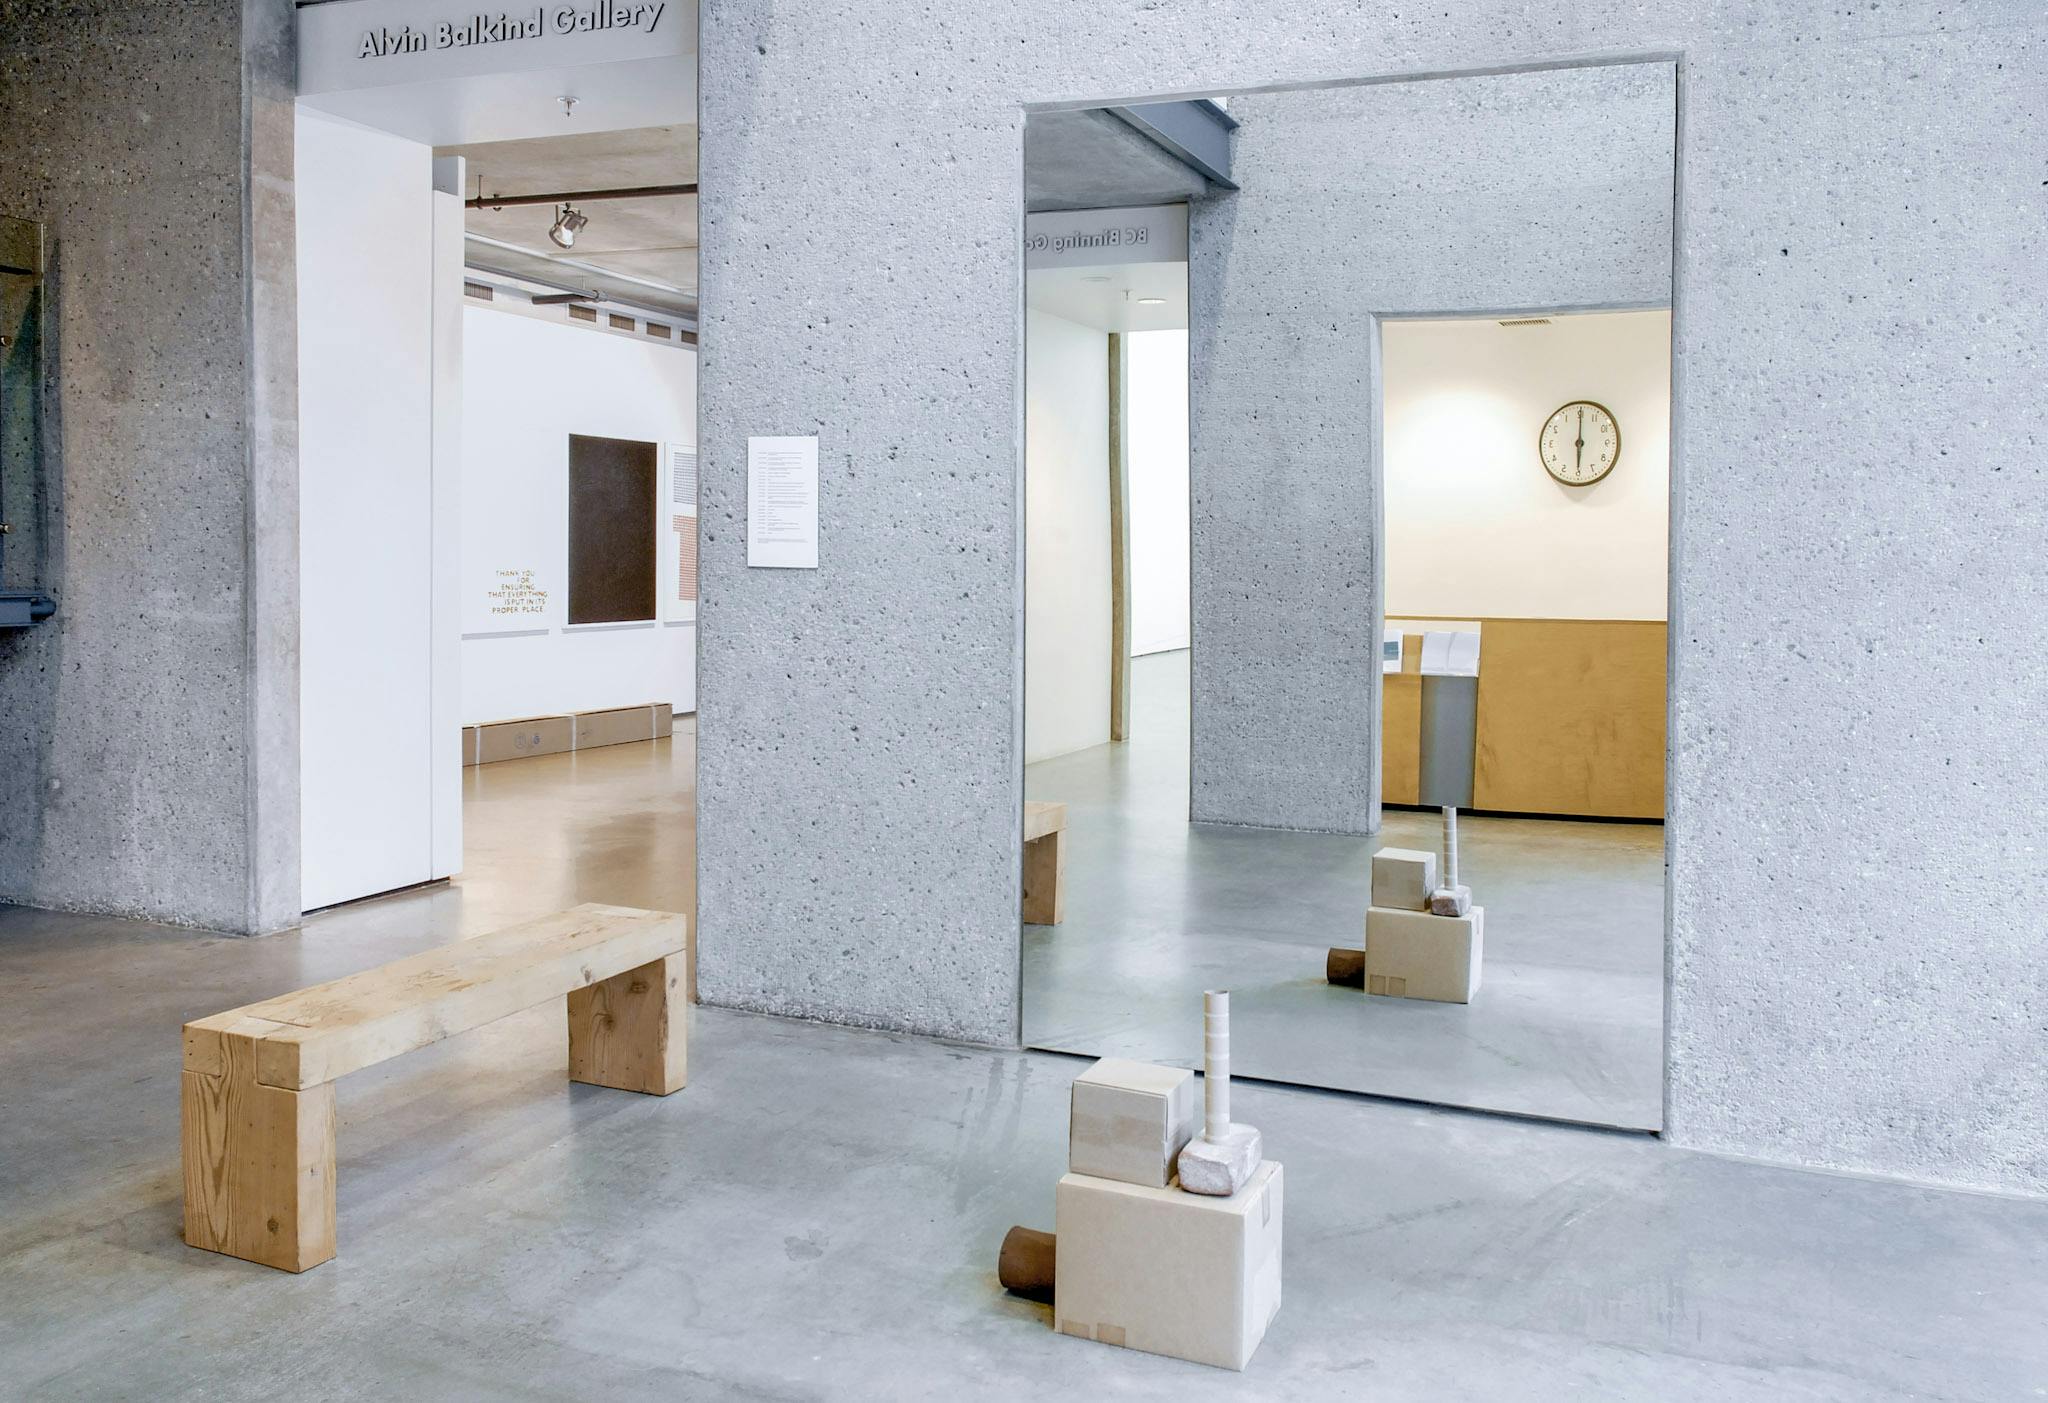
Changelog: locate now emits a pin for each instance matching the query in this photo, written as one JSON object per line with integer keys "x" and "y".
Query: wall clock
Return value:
{"x": 1580, "y": 443}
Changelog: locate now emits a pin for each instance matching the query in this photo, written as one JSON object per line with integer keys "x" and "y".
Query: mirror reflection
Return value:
{"x": 1347, "y": 485}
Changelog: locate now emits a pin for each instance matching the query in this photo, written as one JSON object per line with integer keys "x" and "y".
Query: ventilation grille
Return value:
{"x": 657, "y": 329}
{"x": 688, "y": 338}
{"x": 1527, "y": 321}
{"x": 583, "y": 314}
{"x": 482, "y": 292}
{"x": 620, "y": 323}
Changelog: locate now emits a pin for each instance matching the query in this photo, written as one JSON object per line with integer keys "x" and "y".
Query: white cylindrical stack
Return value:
{"x": 1222, "y": 1158}
{"x": 1451, "y": 847}
{"x": 1216, "y": 1064}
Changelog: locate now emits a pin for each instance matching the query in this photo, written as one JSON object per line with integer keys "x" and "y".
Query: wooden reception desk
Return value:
{"x": 1571, "y": 718}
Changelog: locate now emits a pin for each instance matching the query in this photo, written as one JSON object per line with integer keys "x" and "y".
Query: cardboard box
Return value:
{"x": 1129, "y": 1120}
{"x": 1167, "y": 1272}
{"x": 619, "y": 726}
{"x": 1414, "y": 955}
{"x": 1403, "y": 878}
{"x": 516, "y": 740}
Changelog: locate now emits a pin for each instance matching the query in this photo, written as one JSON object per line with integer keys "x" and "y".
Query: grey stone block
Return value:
{"x": 1223, "y": 1166}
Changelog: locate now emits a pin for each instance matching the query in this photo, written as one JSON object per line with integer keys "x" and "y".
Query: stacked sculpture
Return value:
{"x": 1225, "y": 1155}
{"x": 1422, "y": 940}
{"x": 1450, "y": 899}
{"x": 1187, "y": 1266}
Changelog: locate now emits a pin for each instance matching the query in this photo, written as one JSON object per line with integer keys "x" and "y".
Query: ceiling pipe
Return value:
{"x": 595, "y": 270}
{"x": 572, "y": 197}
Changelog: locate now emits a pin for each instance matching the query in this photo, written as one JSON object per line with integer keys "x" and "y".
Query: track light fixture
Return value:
{"x": 569, "y": 222}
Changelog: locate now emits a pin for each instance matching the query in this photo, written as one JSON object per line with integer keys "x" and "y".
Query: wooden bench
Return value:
{"x": 1045, "y": 863}
{"x": 257, "y": 1099}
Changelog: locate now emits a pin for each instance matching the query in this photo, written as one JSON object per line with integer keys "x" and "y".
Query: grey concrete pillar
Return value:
{"x": 149, "y": 734}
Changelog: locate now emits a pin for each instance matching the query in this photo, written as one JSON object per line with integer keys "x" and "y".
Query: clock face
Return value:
{"x": 1580, "y": 443}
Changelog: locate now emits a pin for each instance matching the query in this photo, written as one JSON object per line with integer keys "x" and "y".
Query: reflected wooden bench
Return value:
{"x": 257, "y": 1098}
{"x": 1045, "y": 863}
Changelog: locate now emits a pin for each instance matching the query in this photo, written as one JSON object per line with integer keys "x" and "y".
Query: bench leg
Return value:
{"x": 632, "y": 1032}
{"x": 259, "y": 1164}
{"x": 1045, "y": 872}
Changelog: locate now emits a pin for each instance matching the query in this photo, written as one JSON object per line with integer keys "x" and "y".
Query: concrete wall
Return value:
{"x": 1066, "y": 522}
{"x": 149, "y": 734}
{"x": 1857, "y": 648}
{"x": 1475, "y": 528}
{"x": 1472, "y": 194}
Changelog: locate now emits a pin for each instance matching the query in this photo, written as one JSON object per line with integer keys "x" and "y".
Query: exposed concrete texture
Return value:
{"x": 1548, "y": 189}
{"x": 859, "y": 779}
{"x": 1091, "y": 160}
{"x": 1857, "y": 645}
{"x": 817, "y": 1216}
{"x": 149, "y": 734}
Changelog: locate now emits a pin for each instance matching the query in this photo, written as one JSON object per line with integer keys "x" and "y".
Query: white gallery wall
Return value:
{"x": 1474, "y": 525}
{"x": 1066, "y": 524}
{"x": 380, "y": 782}
{"x": 1067, "y": 532}
{"x": 529, "y": 383}
{"x": 1156, "y": 476}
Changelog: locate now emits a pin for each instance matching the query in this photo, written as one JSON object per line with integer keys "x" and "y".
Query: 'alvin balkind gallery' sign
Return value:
{"x": 504, "y": 26}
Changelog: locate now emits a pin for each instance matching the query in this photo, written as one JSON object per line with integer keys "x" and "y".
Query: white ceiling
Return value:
{"x": 1106, "y": 298}
{"x": 650, "y": 238}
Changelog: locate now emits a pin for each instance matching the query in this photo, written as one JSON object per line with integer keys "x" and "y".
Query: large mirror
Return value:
{"x": 1347, "y": 513}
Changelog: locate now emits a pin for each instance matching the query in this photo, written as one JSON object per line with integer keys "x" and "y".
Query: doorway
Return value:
{"x": 1322, "y": 744}
{"x": 499, "y": 525}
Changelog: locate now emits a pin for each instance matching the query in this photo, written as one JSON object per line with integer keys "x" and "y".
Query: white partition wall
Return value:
{"x": 381, "y": 790}
{"x": 445, "y": 758}
{"x": 1066, "y": 522}
{"x": 1156, "y": 412}
{"x": 529, "y": 383}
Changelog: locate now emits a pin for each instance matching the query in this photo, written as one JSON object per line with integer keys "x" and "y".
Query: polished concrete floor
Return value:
{"x": 817, "y": 1215}
{"x": 617, "y": 825}
{"x": 1569, "y": 1021}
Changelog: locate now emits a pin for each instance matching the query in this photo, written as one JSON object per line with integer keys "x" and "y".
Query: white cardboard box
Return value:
{"x": 1128, "y": 1121}
{"x": 1414, "y": 955}
{"x": 1403, "y": 878}
{"x": 1167, "y": 1272}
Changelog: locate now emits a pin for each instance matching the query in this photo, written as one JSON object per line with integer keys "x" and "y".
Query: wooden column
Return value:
{"x": 632, "y": 1032}
{"x": 258, "y": 1160}
{"x": 1119, "y": 551}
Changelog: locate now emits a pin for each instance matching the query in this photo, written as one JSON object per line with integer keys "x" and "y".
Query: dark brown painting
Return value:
{"x": 611, "y": 530}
